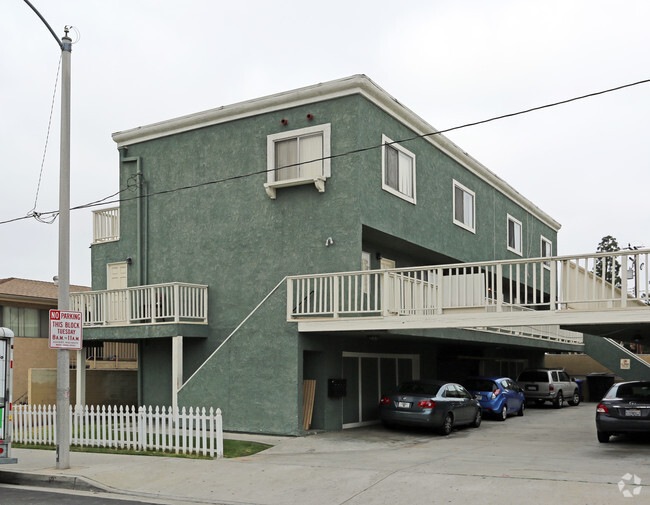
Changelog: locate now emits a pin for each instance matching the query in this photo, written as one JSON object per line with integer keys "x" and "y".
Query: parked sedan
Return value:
{"x": 497, "y": 395}
{"x": 624, "y": 409}
{"x": 435, "y": 404}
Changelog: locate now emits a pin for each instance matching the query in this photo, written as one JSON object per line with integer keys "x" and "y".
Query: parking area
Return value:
{"x": 550, "y": 455}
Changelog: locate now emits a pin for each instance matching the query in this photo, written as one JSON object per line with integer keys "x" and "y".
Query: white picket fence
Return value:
{"x": 193, "y": 431}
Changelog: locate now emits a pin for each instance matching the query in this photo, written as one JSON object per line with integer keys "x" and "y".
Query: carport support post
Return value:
{"x": 81, "y": 377}
{"x": 177, "y": 369}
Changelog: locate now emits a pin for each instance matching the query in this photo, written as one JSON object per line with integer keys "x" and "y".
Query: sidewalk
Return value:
{"x": 547, "y": 456}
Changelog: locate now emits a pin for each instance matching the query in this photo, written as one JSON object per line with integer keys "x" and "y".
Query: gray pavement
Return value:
{"x": 547, "y": 456}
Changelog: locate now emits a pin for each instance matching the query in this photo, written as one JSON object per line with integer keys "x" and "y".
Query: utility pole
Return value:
{"x": 63, "y": 355}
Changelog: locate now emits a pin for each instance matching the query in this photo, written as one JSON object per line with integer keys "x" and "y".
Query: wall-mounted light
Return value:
{"x": 129, "y": 260}
{"x": 329, "y": 242}
{"x": 284, "y": 122}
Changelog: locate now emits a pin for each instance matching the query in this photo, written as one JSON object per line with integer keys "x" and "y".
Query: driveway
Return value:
{"x": 548, "y": 456}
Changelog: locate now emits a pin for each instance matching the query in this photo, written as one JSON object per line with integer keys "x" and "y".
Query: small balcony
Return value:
{"x": 155, "y": 304}
{"x": 106, "y": 225}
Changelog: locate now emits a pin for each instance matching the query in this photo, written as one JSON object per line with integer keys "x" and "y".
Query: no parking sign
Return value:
{"x": 65, "y": 330}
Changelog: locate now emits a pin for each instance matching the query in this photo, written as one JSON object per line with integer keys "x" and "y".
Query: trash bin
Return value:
{"x": 579, "y": 383}
{"x": 599, "y": 383}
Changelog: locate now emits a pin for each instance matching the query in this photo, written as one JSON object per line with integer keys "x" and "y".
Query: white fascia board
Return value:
{"x": 356, "y": 84}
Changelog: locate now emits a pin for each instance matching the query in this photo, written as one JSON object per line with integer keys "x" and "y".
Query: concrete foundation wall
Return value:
{"x": 103, "y": 387}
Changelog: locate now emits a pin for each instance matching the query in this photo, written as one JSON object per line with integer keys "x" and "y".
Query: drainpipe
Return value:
{"x": 141, "y": 219}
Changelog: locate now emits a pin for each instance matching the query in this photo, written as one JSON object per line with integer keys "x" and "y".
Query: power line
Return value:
{"x": 104, "y": 201}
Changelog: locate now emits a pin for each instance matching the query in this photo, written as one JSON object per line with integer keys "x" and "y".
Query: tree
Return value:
{"x": 610, "y": 265}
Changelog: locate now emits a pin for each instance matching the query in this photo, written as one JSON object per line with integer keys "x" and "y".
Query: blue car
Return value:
{"x": 499, "y": 396}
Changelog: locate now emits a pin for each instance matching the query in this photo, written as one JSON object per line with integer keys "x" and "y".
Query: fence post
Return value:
{"x": 219, "y": 422}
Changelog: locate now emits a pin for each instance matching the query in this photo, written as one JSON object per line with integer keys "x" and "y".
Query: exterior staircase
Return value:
{"x": 611, "y": 354}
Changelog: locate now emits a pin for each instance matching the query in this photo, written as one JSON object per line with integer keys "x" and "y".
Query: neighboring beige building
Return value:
{"x": 24, "y": 308}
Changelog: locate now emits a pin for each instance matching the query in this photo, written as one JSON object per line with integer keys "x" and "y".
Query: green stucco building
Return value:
{"x": 222, "y": 205}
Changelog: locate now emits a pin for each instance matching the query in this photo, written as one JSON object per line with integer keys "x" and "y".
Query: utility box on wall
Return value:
{"x": 336, "y": 388}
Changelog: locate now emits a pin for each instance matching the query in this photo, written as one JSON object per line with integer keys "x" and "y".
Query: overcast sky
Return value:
{"x": 136, "y": 62}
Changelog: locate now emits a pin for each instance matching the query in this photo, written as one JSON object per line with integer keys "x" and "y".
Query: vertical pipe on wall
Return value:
{"x": 142, "y": 221}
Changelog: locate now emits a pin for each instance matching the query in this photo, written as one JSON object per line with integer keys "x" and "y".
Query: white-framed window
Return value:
{"x": 514, "y": 235}
{"x": 397, "y": 170}
{"x": 546, "y": 250}
{"x": 298, "y": 157}
{"x": 464, "y": 207}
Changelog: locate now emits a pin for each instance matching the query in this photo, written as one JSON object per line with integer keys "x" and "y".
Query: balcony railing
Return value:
{"x": 106, "y": 225}
{"x": 596, "y": 281}
{"x": 154, "y": 304}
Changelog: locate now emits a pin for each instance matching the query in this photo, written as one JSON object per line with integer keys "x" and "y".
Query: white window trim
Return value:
{"x": 453, "y": 206}
{"x": 271, "y": 184}
{"x": 384, "y": 186}
{"x": 521, "y": 237}
{"x": 547, "y": 264}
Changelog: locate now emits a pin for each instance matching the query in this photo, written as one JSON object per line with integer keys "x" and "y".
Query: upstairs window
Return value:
{"x": 298, "y": 157}
{"x": 464, "y": 207}
{"x": 398, "y": 170}
{"x": 546, "y": 250}
{"x": 514, "y": 235}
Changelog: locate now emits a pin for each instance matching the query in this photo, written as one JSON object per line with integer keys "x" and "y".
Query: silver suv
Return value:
{"x": 542, "y": 384}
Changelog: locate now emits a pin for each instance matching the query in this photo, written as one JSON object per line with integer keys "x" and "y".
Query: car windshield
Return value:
{"x": 533, "y": 376}
{"x": 418, "y": 388}
{"x": 480, "y": 385}
{"x": 638, "y": 391}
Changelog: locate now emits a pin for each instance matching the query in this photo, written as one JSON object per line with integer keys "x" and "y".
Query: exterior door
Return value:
{"x": 116, "y": 283}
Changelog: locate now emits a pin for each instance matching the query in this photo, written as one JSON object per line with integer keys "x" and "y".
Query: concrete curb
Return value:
{"x": 72, "y": 482}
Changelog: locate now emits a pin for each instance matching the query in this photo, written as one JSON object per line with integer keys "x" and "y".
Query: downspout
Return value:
{"x": 141, "y": 250}
{"x": 142, "y": 219}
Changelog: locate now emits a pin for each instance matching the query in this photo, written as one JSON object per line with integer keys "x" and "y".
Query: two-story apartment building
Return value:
{"x": 335, "y": 177}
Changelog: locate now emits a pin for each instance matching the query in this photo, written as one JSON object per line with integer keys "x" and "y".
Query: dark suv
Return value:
{"x": 542, "y": 384}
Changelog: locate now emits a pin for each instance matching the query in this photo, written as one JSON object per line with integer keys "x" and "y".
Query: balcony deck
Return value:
{"x": 531, "y": 297}
{"x": 155, "y": 304}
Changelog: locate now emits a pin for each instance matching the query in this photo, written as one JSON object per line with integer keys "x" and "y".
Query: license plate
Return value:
{"x": 531, "y": 388}
{"x": 403, "y": 405}
{"x": 632, "y": 413}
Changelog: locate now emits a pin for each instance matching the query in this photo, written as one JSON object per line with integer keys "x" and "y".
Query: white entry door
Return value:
{"x": 116, "y": 283}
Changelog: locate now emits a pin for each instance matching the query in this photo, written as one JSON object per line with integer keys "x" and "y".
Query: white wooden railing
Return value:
{"x": 557, "y": 283}
{"x": 193, "y": 431}
{"x": 153, "y": 304}
{"x": 106, "y": 225}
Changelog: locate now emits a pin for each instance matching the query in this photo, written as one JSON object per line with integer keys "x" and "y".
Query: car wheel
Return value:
{"x": 603, "y": 437}
{"x": 503, "y": 414}
{"x": 575, "y": 399}
{"x": 559, "y": 400}
{"x": 520, "y": 412}
{"x": 477, "y": 419}
{"x": 447, "y": 425}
